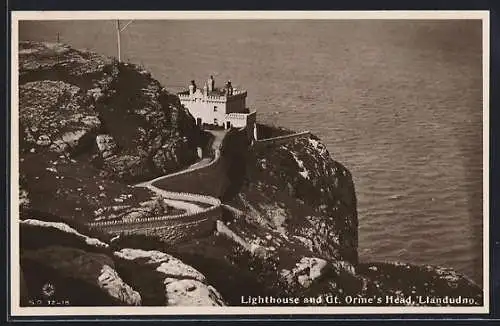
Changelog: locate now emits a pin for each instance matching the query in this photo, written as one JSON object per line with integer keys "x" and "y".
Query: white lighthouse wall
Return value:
{"x": 210, "y": 112}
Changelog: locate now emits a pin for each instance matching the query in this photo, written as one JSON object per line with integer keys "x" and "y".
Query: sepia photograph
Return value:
{"x": 249, "y": 163}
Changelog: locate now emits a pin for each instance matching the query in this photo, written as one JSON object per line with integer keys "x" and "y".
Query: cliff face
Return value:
{"x": 301, "y": 189}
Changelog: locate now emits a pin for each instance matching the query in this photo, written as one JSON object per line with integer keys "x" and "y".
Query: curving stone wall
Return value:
{"x": 171, "y": 229}
{"x": 209, "y": 180}
{"x": 189, "y": 171}
{"x": 185, "y": 196}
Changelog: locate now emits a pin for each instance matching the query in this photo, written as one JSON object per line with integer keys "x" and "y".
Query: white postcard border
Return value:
{"x": 17, "y": 16}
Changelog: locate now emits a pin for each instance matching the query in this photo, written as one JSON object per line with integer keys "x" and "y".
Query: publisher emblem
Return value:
{"x": 48, "y": 289}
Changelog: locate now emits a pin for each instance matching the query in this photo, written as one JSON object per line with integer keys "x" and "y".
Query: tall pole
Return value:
{"x": 118, "y": 40}
{"x": 58, "y": 41}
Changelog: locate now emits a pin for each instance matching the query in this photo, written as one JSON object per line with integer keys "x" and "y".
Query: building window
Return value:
{"x": 215, "y": 108}
{"x": 216, "y": 122}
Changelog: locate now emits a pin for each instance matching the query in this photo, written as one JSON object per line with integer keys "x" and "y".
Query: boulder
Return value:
{"x": 106, "y": 145}
{"x": 307, "y": 270}
{"x": 164, "y": 263}
{"x": 191, "y": 293}
{"x": 184, "y": 285}
{"x": 65, "y": 228}
{"x": 110, "y": 281}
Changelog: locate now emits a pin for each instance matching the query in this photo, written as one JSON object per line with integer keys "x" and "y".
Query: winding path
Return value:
{"x": 189, "y": 206}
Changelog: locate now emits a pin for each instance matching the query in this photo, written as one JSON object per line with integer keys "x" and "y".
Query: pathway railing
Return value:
{"x": 281, "y": 139}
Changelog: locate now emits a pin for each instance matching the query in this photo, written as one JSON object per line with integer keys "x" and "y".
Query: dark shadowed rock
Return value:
{"x": 69, "y": 269}
{"x": 426, "y": 284}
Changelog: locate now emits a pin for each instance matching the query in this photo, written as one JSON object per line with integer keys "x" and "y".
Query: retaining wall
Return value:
{"x": 185, "y": 196}
{"x": 190, "y": 170}
{"x": 174, "y": 233}
{"x": 167, "y": 227}
{"x": 268, "y": 131}
{"x": 156, "y": 221}
{"x": 236, "y": 139}
{"x": 208, "y": 180}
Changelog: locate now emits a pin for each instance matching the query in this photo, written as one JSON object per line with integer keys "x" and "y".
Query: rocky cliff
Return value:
{"x": 90, "y": 127}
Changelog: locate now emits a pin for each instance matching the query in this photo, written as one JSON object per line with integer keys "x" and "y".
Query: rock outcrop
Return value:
{"x": 62, "y": 264}
{"x": 305, "y": 194}
{"x": 306, "y": 271}
{"x": 88, "y": 127}
{"x": 184, "y": 285}
{"x": 298, "y": 215}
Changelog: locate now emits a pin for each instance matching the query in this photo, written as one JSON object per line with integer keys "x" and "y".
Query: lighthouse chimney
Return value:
{"x": 192, "y": 87}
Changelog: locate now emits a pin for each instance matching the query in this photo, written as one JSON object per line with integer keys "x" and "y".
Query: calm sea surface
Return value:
{"x": 398, "y": 103}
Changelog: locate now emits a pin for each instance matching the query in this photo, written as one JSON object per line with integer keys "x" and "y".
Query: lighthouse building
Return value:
{"x": 222, "y": 107}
